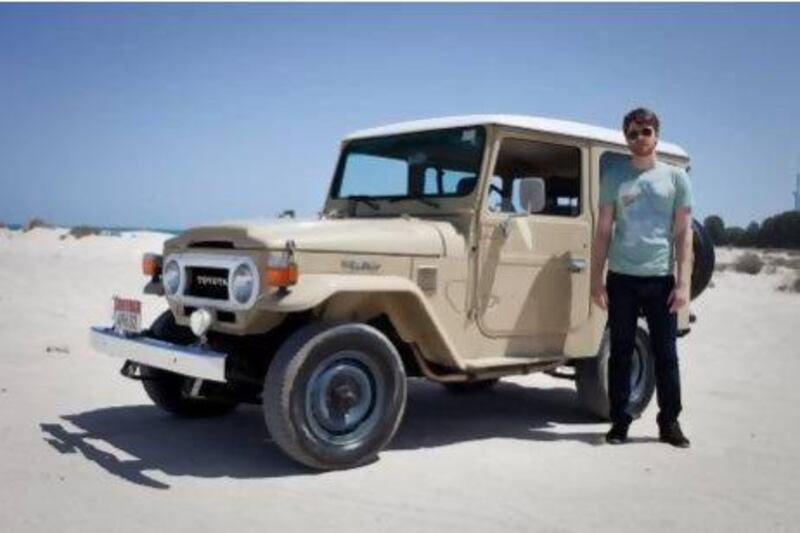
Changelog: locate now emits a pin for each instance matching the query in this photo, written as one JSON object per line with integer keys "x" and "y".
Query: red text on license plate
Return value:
{"x": 127, "y": 315}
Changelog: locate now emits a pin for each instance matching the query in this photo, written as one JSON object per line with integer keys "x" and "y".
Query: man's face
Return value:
{"x": 642, "y": 139}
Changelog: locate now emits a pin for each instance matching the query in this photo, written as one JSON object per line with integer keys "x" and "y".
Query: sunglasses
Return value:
{"x": 632, "y": 135}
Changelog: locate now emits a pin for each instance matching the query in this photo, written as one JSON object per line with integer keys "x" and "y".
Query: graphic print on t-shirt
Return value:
{"x": 643, "y": 210}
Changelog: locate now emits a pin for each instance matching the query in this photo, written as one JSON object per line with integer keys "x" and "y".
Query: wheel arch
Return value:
{"x": 402, "y": 316}
{"x": 393, "y": 304}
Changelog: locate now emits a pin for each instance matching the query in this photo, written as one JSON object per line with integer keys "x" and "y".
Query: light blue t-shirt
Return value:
{"x": 644, "y": 212}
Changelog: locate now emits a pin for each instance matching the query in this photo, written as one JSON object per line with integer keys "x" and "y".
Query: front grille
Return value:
{"x": 211, "y": 283}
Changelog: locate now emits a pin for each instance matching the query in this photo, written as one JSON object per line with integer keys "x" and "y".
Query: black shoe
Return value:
{"x": 618, "y": 434}
{"x": 672, "y": 434}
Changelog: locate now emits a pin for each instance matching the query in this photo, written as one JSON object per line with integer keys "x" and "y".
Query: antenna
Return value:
{"x": 797, "y": 193}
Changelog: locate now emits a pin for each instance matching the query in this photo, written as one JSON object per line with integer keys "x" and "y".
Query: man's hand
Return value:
{"x": 683, "y": 253}
{"x": 678, "y": 298}
{"x": 602, "y": 239}
{"x": 599, "y": 295}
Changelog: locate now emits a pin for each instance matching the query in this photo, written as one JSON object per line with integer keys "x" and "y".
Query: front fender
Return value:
{"x": 355, "y": 297}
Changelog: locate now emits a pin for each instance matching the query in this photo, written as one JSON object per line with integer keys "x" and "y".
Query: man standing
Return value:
{"x": 648, "y": 205}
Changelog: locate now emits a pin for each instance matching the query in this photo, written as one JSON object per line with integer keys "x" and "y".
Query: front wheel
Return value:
{"x": 592, "y": 377}
{"x": 172, "y": 392}
{"x": 334, "y": 395}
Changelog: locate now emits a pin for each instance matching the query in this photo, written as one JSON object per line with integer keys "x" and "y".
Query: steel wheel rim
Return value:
{"x": 344, "y": 398}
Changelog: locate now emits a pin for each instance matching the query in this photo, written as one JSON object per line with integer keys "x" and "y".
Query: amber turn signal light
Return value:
{"x": 281, "y": 271}
{"x": 151, "y": 265}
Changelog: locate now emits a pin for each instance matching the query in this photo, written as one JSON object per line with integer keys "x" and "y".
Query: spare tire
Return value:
{"x": 704, "y": 258}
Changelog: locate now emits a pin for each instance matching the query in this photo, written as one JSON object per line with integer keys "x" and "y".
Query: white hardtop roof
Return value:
{"x": 550, "y": 125}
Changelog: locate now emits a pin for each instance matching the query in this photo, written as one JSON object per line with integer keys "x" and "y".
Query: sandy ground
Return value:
{"x": 82, "y": 449}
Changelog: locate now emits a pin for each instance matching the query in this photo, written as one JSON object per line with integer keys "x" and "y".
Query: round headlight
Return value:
{"x": 242, "y": 283}
{"x": 171, "y": 277}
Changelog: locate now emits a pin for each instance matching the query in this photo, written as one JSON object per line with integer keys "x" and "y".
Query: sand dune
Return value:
{"x": 82, "y": 449}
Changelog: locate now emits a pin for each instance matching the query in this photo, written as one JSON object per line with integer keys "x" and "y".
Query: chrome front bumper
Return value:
{"x": 192, "y": 361}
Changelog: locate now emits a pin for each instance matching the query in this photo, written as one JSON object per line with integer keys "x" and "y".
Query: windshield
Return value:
{"x": 430, "y": 164}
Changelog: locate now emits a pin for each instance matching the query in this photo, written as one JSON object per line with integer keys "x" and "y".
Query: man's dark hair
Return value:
{"x": 643, "y": 116}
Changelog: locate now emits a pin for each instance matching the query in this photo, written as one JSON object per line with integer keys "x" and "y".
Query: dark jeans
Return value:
{"x": 626, "y": 296}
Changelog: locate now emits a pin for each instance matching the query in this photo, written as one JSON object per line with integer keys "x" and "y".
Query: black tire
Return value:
{"x": 170, "y": 391}
{"x": 322, "y": 374}
{"x": 591, "y": 377}
{"x": 704, "y": 259}
{"x": 471, "y": 387}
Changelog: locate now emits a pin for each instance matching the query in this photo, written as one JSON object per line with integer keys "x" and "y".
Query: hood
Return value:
{"x": 394, "y": 236}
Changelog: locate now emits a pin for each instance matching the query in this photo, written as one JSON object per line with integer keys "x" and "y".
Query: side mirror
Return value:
{"x": 532, "y": 194}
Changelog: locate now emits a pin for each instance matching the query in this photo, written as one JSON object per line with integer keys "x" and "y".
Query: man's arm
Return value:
{"x": 683, "y": 256}
{"x": 602, "y": 239}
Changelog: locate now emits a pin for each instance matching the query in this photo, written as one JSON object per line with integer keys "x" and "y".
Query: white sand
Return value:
{"x": 82, "y": 449}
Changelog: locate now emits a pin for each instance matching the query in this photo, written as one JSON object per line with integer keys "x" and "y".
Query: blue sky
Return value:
{"x": 174, "y": 115}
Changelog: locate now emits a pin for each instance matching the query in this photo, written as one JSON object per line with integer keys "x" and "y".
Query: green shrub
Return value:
{"x": 83, "y": 231}
{"x": 793, "y": 262}
{"x": 749, "y": 263}
{"x": 36, "y": 223}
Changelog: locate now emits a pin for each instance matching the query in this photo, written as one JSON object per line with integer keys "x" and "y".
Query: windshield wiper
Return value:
{"x": 425, "y": 201}
{"x": 366, "y": 199}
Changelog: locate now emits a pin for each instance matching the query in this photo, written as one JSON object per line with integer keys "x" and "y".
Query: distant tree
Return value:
{"x": 734, "y": 235}
{"x": 286, "y": 213}
{"x": 751, "y": 234}
{"x": 778, "y": 231}
{"x": 781, "y": 231}
{"x": 716, "y": 229}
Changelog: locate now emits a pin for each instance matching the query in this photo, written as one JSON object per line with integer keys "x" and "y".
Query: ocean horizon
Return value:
{"x": 108, "y": 229}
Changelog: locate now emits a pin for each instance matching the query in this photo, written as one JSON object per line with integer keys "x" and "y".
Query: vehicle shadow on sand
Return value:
{"x": 435, "y": 417}
{"x": 129, "y": 441}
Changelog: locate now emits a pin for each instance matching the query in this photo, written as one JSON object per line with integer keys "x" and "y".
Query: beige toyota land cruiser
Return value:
{"x": 456, "y": 250}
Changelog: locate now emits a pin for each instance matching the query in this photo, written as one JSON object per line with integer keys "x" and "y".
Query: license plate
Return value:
{"x": 127, "y": 315}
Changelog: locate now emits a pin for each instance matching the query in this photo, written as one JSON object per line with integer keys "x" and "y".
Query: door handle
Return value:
{"x": 576, "y": 264}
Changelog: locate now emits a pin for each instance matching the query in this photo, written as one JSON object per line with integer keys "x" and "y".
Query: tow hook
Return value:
{"x": 133, "y": 370}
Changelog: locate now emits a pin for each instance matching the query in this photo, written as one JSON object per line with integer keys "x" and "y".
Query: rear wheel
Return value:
{"x": 172, "y": 392}
{"x": 592, "y": 377}
{"x": 334, "y": 395}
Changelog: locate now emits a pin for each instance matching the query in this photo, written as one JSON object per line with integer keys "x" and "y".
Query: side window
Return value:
{"x": 558, "y": 165}
{"x": 611, "y": 160}
{"x": 499, "y": 199}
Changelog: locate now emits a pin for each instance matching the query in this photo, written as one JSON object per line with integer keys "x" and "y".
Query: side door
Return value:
{"x": 533, "y": 268}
